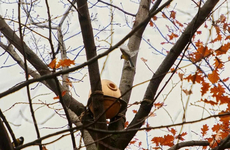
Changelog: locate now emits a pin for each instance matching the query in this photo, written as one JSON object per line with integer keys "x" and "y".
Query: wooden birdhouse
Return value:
{"x": 112, "y": 96}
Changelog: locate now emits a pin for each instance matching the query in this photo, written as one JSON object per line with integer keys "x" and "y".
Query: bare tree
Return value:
{"x": 96, "y": 132}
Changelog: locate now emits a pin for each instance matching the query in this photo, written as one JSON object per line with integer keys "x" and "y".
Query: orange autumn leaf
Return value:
{"x": 201, "y": 53}
{"x": 57, "y": 97}
{"x": 190, "y": 78}
{"x": 223, "y": 49}
{"x": 219, "y": 37}
{"x": 204, "y": 130}
{"x": 224, "y": 119}
{"x": 151, "y": 23}
{"x": 226, "y": 79}
{"x": 180, "y": 24}
{"x": 205, "y": 25}
{"x": 173, "y": 131}
{"x": 216, "y": 127}
{"x": 172, "y": 69}
{"x": 199, "y": 44}
{"x": 217, "y": 92}
{"x": 158, "y": 105}
{"x": 218, "y": 63}
{"x": 134, "y": 111}
{"x": 209, "y": 102}
{"x": 173, "y": 15}
{"x": 198, "y": 32}
{"x": 173, "y": 35}
{"x": 181, "y": 76}
{"x": 143, "y": 59}
{"x": 62, "y": 94}
{"x": 157, "y": 140}
{"x": 217, "y": 29}
{"x": 154, "y": 18}
{"x": 222, "y": 18}
{"x": 194, "y": 78}
{"x": 227, "y": 37}
{"x": 68, "y": 82}
{"x": 213, "y": 77}
{"x": 223, "y": 133}
{"x": 225, "y": 26}
{"x": 52, "y": 64}
{"x": 163, "y": 15}
{"x": 162, "y": 43}
{"x": 139, "y": 144}
{"x": 132, "y": 142}
{"x": 126, "y": 124}
{"x": 147, "y": 126}
{"x": 65, "y": 63}
{"x": 167, "y": 140}
{"x": 154, "y": 148}
{"x": 223, "y": 99}
{"x": 205, "y": 87}
{"x": 205, "y": 51}
{"x": 214, "y": 141}
{"x": 68, "y": 62}
{"x": 181, "y": 136}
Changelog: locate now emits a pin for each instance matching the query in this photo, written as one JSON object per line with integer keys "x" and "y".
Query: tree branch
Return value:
{"x": 117, "y": 8}
{"x": 169, "y": 60}
{"x": 96, "y": 98}
{"x": 49, "y": 76}
{"x": 42, "y": 68}
{"x": 88, "y": 140}
{"x": 27, "y": 75}
{"x": 5, "y": 142}
{"x": 225, "y": 143}
{"x": 128, "y": 72}
{"x": 189, "y": 143}
{"x": 4, "y": 138}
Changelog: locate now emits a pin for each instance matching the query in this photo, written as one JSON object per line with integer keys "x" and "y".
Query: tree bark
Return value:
{"x": 5, "y": 143}
{"x": 87, "y": 138}
{"x": 96, "y": 98}
{"x": 128, "y": 72}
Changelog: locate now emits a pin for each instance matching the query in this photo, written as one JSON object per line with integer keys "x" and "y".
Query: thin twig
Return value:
{"x": 27, "y": 74}
{"x": 117, "y": 8}
{"x": 56, "y": 80}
